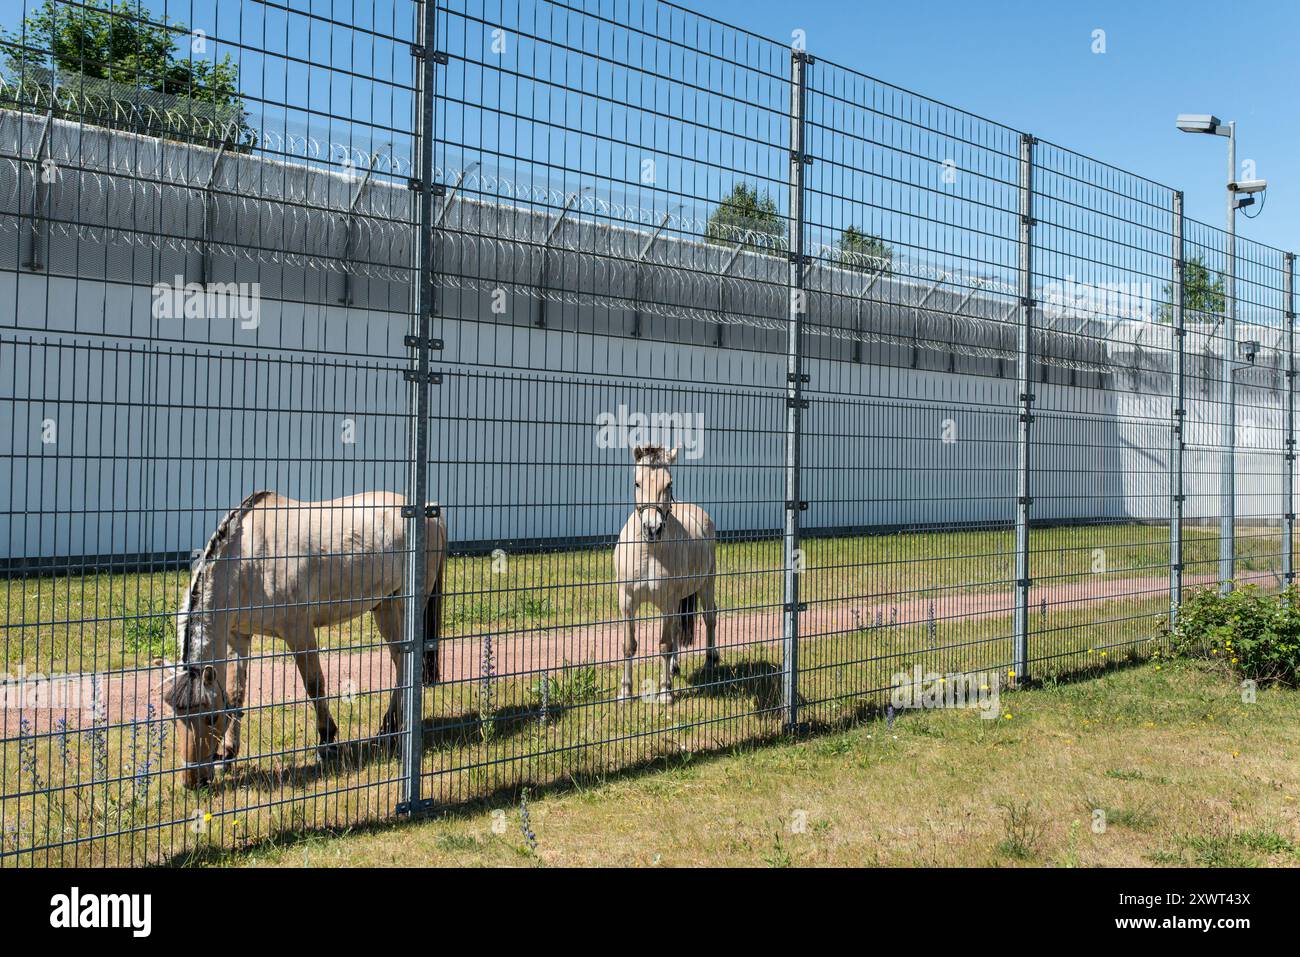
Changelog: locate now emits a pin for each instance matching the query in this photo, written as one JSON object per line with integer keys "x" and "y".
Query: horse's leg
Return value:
{"x": 627, "y": 608}
{"x": 307, "y": 658}
{"x": 389, "y": 619}
{"x": 670, "y": 627}
{"x": 680, "y": 623}
{"x": 241, "y": 645}
{"x": 709, "y": 607}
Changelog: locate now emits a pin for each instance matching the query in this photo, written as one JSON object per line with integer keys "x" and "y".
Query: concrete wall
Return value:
{"x": 163, "y": 424}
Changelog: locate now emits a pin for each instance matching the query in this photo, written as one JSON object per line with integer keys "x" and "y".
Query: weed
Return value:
{"x": 1024, "y": 831}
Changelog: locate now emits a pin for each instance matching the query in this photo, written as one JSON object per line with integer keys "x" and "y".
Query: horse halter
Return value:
{"x": 663, "y": 508}
{"x": 196, "y": 674}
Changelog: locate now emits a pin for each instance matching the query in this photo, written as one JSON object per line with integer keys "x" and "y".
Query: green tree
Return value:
{"x": 746, "y": 216}
{"x": 861, "y": 250}
{"x": 114, "y": 66}
{"x": 1204, "y": 298}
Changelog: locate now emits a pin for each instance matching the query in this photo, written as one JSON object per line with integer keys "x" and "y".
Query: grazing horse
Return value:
{"x": 283, "y": 568}
{"x": 665, "y": 556}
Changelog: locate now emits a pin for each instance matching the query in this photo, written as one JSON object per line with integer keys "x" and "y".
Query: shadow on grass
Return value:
{"x": 758, "y": 678}
{"x": 1056, "y": 675}
{"x": 504, "y": 796}
{"x": 314, "y": 765}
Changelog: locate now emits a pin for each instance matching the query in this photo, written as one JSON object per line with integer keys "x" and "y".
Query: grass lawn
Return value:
{"x": 103, "y": 622}
{"x": 109, "y": 794}
{"x": 1181, "y": 769}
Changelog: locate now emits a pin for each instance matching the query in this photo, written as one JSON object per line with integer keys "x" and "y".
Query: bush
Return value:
{"x": 148, "y": 626}
{"x": 1256, "y": 635}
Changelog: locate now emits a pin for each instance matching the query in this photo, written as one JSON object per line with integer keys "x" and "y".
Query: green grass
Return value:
{"x": 486, "y": 740}
{"x": 105, "y": 622}
{"x": 473, "y": 753}
{"x": 1209, "y": 782}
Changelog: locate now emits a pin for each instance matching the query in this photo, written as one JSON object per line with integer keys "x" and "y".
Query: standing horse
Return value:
{"x": 283, "y": 568}
{"x": 665, "y": 556}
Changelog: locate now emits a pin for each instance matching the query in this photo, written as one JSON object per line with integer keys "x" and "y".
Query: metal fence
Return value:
{"x": 945, "y": 400}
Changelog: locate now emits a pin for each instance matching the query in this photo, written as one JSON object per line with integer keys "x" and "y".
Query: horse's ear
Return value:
{"x": 640, "y": 452}
{"x": 176, "y": 689}
{"x": 671, "y": 457}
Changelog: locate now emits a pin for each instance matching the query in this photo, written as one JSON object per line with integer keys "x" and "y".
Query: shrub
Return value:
{"x": 148, "y": 626}
{"x": 1256, "y": 635}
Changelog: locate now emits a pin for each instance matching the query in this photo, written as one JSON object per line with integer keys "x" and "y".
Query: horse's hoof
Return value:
{"x": 327, "y": 753}
{"x": 625, "y": 694}
{"x": 677, "y": 668}
{"x": 665, "y": 696}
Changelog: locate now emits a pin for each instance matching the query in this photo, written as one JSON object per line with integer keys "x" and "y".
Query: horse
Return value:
{"x": 283, "y": 568}
{"x": 665, "y": 555}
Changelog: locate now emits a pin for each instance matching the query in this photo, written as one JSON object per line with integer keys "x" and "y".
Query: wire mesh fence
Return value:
{"x": 414, "y": 402}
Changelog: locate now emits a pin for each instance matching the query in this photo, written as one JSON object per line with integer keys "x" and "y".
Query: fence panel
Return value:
{"x": 1261, "y": 398}
{"x": 1101, "y": 548}
{"x": 911, "y": 440}
{"x": 612, "y": 280}
{"x": 206, "y": 293}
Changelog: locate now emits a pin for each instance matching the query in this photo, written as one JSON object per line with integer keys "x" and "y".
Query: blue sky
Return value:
{"x": 1025, "y": 63}
{"x": 1029, "y": 64}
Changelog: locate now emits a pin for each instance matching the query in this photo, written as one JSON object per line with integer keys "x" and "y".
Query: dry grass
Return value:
{"x": 104, "y": 622}
{"x": 72, "y": 809}
{"x": 1185, "y": 772}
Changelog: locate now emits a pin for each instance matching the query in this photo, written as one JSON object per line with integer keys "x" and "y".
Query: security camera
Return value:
{"x": 1249, "y": 186}
{"x": 1249, "y": 349}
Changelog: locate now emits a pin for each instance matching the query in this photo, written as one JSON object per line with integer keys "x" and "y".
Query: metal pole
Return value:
{"x": 346, "y": 298}
{"x": 645, "y": 251}
{"x": 722, "y": 289}
{"x": 795, "y": 402}
{"x": 1179, "y": 439}
{"x": 1024, "y": 345}
{"x": 1228, "y": 463}
{"x": 420, "y": 378}
{"x": 542, "y": 278}
{"x": 205, "y": 251}
{"x": 40, "y": 190}
{"x": 1288, "y": 491}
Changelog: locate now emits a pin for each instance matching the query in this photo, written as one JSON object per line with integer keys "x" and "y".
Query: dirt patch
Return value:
{"x": 126, "y": 696}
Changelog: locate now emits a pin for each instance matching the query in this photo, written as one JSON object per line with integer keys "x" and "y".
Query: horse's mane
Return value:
{"x": 218, "y": 539}
{"x": 650, "y": 455}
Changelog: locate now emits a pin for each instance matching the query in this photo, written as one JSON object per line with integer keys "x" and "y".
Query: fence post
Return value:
{"x": 1024, "y": 346}
{"x": 420, "y": 378}
{"x": 795, "y": 402}
{"x": 1288, "y": 492}
{"x": 1179, "y": 418}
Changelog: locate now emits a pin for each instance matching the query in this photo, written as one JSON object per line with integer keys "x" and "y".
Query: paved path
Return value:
{"x": 273, "y": 678}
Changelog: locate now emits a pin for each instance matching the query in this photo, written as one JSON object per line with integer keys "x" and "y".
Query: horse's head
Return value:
{"x": 196, "y": 694}
{"x": 654, "y": 488}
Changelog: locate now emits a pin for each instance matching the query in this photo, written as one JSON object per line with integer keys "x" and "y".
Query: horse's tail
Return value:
{"x": 433, "y": 627}
{"x": 686, "y": 611}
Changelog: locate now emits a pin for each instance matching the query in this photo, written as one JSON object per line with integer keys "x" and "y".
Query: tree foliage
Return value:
{"x": 112, "y": 65}
{"x": 1204, "y": 298}
{"x": 861, "y": 250}
{"x": 747, "y": 216}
